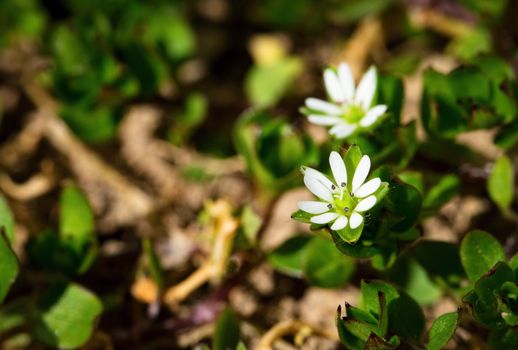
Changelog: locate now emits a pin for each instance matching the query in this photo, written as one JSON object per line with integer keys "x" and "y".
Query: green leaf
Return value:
{"x": 479, "y": 252}
{"x": 77, "y": 226}
{"x": 500, "y": 184}
{"x": 250, "y": 224}
{"x": 442, "y": 330}
{"x": 289, "y": 257}
{"x": 406, "y": 319}
{"x": 6, "y": 219}
{"x": 440, "y": 260}
{"x": 404, "y": 202}
{"x": 226, "y": 334}
{"x": 443, "y": 191}
{"x": 76, "y": 220}
{"x": 66, "y": 315}
{"x": 370, "y": 295}
{"x": 8, "y": 265}
{"x": 266, "y": 84}
{"x": 302, "y": 216}
{"x": 412, "y": 276}
{"x": 325, "y": 266}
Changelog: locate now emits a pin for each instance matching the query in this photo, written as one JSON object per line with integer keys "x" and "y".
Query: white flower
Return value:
{"x": 350, "y": 108}
{"x": 340, "y": 203}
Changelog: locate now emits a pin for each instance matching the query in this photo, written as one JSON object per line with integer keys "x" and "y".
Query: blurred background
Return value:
{"x": 129, "y": 115}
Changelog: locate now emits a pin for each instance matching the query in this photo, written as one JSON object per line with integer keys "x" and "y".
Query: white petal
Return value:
{"x": 324, "y": 218}
{"x": 323, "y": 119}
{"x": 313, "y": 207}
{"x": 365, "y": 204}
{"x": 346, "y": 80}
{"x": 317, "y": 188}
{"x": 340, "y": 223}
{"x": 367, "y": 88}
{"x": 368, "y": 188}
{"x": 323, "y": 106}
{"x": 372, "y": 115}
{"x": 342, "y": 130}
{"x": 338, "y": 168}
{"x": 317, "y": 175}
{"x": 355, "y": 220}
{"x": 361, "y": 172}
{"x": 333, "y": 88}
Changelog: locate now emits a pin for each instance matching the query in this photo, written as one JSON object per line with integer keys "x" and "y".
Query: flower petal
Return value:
{"x": 323, "y": 119}
{"x": 368, "y": 188}
{"x": 342, "y": 130}
{"x": 367, "y": 88}
{"x": 340, "y": 223}
{"x": 318, "y": 189}
{"x": 313, "y": 207}
{"x": 324, "y": 218}
{"x": 355, "y": 220}
{"x": 338, "y": 168}
{"x": 361, "y": 172}
{"x": 372, "y": 115}
{"x": 365, "y": 204}
{"x": 346, "y": 80}
{"x": 317, "y": 175}
{"x": 333, "y": 88}
{"x": 323, "y": 106}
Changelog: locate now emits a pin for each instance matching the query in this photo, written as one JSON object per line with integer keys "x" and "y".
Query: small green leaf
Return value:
{"x": 302, "y": 216}
{"x": 66, "y": 316}
{"x": 6, "y": 219}
{"x": 406, "y": 319}
{"x": 479, "y": 252}
{"x": 442, "y": 330}
{"x": 325, "y": 266}
{"x": 266, "y": 84}
{"x": 250, "y": 223}
{"x": 8, "y": 265}
{"x": 289, "y": 257}
{"x": 76, "y": 219}
{"x": 443, "y": 191}
{"x": 226, "y": 334}
{"x": 500, "y": 184}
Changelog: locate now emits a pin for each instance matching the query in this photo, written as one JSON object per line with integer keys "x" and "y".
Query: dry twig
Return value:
{"x": 300, "y": 329}
{"x": 223, "y": 228}
{"x": 126, "y": 202}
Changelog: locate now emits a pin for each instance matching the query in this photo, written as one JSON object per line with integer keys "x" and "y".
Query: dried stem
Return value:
{"x": 224, "y": 228}
{"x": 299, "y": 328}
{"x": 365, "y": 39}
{"x": 131, "y": 202}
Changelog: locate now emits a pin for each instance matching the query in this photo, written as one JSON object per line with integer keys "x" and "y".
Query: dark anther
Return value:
{"x": 352, "y": 194}
{"x": 329, "y": 206}
{"x": 342, "y": 184}
{"x": 346, "y": 209}
{"x": 333, "y": 187}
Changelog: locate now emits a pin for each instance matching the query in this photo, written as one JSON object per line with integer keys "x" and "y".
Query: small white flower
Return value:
{"x": 340, "y": 203}
{"x": 350, "y": 107}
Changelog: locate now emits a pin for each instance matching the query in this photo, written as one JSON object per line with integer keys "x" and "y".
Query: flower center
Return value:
{"x": 344, "y": 202}
{"x": 352, "y": 113}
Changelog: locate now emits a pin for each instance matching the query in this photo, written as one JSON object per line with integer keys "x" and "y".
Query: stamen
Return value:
{"x": 342, "y": 184}
{"x": 333, "y": 187}
{"x": 352, "y": 194}
{"x": 330, "y": 206}
{"x": 346, "y": 209}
